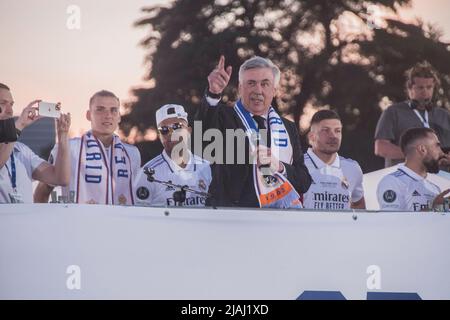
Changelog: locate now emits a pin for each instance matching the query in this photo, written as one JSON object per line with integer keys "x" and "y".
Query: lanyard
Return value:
{"x": 12, "y": 174}
{"x": 423, "y": 119}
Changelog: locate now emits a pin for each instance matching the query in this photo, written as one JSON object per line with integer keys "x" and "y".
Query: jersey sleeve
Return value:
{"x": 74, "y": 150}
{"x": 142, "y": 189}
{"x": 31, "y": 160}
{"x": 390, "y": 194}
{"x": 358, "y": 191}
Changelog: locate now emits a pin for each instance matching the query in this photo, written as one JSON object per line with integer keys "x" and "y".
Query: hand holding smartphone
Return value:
{"x": 48, "y": 109}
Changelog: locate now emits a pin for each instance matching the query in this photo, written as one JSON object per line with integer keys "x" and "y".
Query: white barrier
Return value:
{"x": 46, "y": 251}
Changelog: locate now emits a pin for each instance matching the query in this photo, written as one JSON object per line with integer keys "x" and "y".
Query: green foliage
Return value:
{"x": 324, "y": 62}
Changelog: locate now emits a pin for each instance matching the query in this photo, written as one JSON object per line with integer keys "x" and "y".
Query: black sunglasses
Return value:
{"x": 169, "y": 129}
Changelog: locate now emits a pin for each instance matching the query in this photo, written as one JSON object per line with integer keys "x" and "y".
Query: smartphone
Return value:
{"x": 47, "y": 109}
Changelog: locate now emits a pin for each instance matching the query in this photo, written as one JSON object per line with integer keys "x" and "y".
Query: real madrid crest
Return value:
{"x": 202, "y": 184}
{"x": 269, "y": 180}
{"x": 344, "y": 183}
{"x": 122, "y": 199}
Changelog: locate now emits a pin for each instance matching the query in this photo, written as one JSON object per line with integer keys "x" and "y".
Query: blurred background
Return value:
{"x": 346, "y": 55}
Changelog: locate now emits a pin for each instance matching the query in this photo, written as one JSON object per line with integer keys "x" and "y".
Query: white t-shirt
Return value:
{"x": 75, "y": 145}
{"x": 196, "y": 175}
{"x": 335, "y": 186}
{"x": 26, "y": 161}
{"x": 405, "y": 190}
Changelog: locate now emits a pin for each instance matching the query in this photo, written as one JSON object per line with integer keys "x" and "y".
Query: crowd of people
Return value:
{"x": 261, "y": 164}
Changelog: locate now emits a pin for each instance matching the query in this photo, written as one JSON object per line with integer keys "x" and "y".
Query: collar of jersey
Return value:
{"x": 176, "y": 168}
{"x": 17, "y": 146}
{"x": 411, "y": 173}
{"x": 320, "y": 164}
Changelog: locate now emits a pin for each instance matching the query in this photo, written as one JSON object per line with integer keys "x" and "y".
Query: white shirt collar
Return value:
{"x": 411, "y": 173}
{"x": 263, "y": 115}
{"x": 176, "y": 168}
{"x": 320, "y": 164}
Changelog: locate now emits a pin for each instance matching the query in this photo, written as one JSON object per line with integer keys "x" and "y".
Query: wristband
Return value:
{"x": 212, "y": 95}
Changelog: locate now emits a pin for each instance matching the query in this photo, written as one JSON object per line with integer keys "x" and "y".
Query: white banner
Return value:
{"x": 105, "y": 252}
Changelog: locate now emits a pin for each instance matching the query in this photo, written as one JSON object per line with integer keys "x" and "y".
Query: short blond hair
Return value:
{"x": 103, "y": 93}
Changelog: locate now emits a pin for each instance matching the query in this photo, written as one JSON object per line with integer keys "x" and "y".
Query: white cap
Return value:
{"x": 170, "y": 111}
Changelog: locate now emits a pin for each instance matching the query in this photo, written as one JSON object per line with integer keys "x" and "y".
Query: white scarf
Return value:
{"x": 103, "y": 178}
{"x": 273, "y": 191}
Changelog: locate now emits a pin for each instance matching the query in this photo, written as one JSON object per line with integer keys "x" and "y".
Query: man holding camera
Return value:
{"x": 175, "y": 165}
{"x": 18, "y": 164}
{"x": 417, "y": 112}
{"x": 103, "y": 167}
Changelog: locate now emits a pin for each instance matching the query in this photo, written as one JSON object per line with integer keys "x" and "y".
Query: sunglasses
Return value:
{"x": 164, "y": 130}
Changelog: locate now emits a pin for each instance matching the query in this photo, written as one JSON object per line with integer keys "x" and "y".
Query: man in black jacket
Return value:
{"x": 273, "y": 173}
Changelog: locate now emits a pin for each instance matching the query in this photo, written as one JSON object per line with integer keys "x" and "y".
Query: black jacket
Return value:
{"x": 230, "y": 182}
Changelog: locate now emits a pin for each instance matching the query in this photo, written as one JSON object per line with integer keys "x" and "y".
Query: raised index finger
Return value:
{"x": 221, "y": 65}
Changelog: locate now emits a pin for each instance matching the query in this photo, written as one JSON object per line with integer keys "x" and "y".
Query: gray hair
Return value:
{"x": 260, "y": 62}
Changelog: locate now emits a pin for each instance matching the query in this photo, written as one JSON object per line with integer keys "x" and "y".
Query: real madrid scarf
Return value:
{"x": 272, "y": 191}
{"x": 103, "y": 177}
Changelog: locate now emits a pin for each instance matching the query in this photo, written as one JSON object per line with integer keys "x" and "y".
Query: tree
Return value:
{"x": 329, "y": 52}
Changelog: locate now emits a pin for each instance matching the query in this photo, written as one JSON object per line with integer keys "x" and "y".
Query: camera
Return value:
{"x": 47, "y": 109}
{"x": 8, "y": 131}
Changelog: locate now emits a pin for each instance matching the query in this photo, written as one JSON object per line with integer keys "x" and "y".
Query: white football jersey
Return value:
{"x": 196, "y": 175}
{"x": 75, "y": 144}
{"x": 335, "y": 186}
{"x": 25, "y": 162}
{"x": 405, "y": 190}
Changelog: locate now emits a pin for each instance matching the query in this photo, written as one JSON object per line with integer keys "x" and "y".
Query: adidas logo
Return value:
{"x": 416, "y": 194}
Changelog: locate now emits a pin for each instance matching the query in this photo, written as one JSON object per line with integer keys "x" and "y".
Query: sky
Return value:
{"x": 45, "y": 56}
